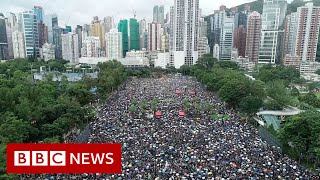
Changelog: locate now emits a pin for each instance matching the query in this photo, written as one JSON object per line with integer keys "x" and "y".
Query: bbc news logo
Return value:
{"x": 63, "y": 158}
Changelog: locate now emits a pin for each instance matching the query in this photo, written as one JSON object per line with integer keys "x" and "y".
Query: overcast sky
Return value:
{"x": 73, "y": 12}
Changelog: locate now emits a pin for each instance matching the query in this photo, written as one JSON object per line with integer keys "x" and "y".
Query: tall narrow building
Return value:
{"x": 155, "y": 13}
{"x": 239, "y": 40}
{"x": 307, "y": 32}
{"x": 154, "y": 30}
{"x": 134, "y": 35}
{"x": 108, "y": 23}
{"x": 123, "y": 28}
{"x": 142, "y": 30}
{"x": 29, "y": 26}
{"x": 97, "y": 30}
{"x": 38, "y": 10}
{"x": 272, "y": 19}
{"x": 290, "y": 33}
{"x": 18, "y": 45}
{"x": 114, "y": 44}
{"x": 11, "y": 26}
{"x": 3, "y": 39}
{"x": 78, "y": 31}
{"x": 57, "y": 41}
{"x": 50, "y": 21}
{"x": 253, "y": 36}
{"x": 186, "y": 32}
{"x": 226, "y": 38}
{"x": 70, "y": 49}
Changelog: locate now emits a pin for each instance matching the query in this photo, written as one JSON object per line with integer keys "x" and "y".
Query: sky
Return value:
{"x": 73, "y": 12}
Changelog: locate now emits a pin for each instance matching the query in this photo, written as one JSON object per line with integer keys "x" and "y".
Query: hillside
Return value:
{"x": 292, "y": 7}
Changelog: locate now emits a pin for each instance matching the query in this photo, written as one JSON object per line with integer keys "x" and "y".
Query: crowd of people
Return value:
{"x": 189, "y": 145}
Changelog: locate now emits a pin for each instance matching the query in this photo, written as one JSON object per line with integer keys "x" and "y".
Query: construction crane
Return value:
{"x": 134, "y": 13}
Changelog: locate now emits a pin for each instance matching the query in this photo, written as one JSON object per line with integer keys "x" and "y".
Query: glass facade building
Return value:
{"x": 123, "y": 28}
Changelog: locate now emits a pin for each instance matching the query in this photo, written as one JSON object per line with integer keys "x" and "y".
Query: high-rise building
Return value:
{"x": 253, "y": 36}
{"x": 186, "y": 32}
{"x": 155, "y": 14}
{"x": 226, "y": 38}
{"x": 50, "y": 21}
{"x": 272, "y": 18}
{"x": 203, "y": 28}
{"x": 18, "y": 45}
{"x": 134, "y": 35}
{"x": 239, "y": 40}
{"x": 171, "y": 31}
{"x": 158, "y": 14}
{"x": 91, "y": 47}
{"x": 48, "y": 52}
{"x": 123, "y": 28}
{"x": 289, "y": 37}
{"x": 240, "y": 19}
{"x": 203, "y": 46}
{"x": 142, "y": 30}
{"x": 108, "y": 23}
{"x": 114, "y": 44}
{"x": 38, "y": 10}
{"x": 85, "y": 31}
{"x": 154, "y": 30}
{"x": 78, "y": 31}
{"x": 307, "y": 32}
{"x": 68, "y": 29}
{"x": 29, "y": 26}
{"x": 164, "y": 42}
{"x": 161, "y": 15}
{"x": 11, "y": 26}
{"x": 70, "y": 51}
{"x": 3, "y": 39}
{"x": 97, "y": 30}
{"x": 57, "y": 41}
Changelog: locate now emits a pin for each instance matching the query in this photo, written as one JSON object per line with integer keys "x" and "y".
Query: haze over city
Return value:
{"x": 73, "y": 12}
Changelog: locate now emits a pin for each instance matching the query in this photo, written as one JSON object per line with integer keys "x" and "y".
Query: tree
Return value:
{"x": 206, "y": 62}
{"x": 233, "y": 91}
{"x": 300, "y": 134}
{"x": 278, "y": 96}
{"x": 310, "y": 99}
{"x": 12, "y": 129}
{"x": 250, "y": 105}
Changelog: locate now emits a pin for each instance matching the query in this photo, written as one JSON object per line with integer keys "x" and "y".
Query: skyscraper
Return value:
{"x": 253, "y": 36}
{"x": 57, "y": 41}
{"x": 38, "y": 11}
{"x": 154, "y": 30}
{"x": 134, "y": 35}
{"x": 307, "y": 32}
{"x": 290, "y": 33}
{"x": 142, "y": 30}
{"x": 11, "y": 26}
{"x": 50, "y": 21}
{"x": 18, "y": 45}
{"x": 226, "y": 38}
{"x": 186, "y": 32}
{"x": 158, "y": 14}
{"x": 108, "y": 23}
{"x": 29, "y": 26}
{"x": 97, "y": 30}
{"x": 70, "y": 51}
{"x": 161, "y": 15}
{"x": 3, "y": 38}
{"x": 78, "y": 31}
{"x": 155, "y": 13}
{"x": 123, "y": 28}
{"x": 272, "y": 18}
{"x": 239, "y": 40}
{"x": 114, "y": 44}
{"x": 171, "y": 32}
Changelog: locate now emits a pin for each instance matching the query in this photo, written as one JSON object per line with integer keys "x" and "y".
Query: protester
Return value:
{"x": 196, "y": 145}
